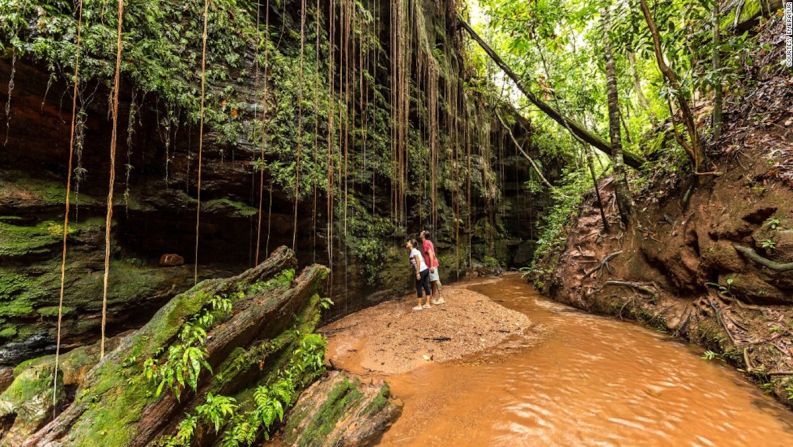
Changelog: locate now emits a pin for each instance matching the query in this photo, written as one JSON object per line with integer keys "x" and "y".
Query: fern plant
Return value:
{"x": 217, "y": 410}
{"x": 186, "y": 358}
{"x": 270, "y": 401}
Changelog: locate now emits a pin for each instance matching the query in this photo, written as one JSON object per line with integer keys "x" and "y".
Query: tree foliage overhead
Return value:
{"x": 557, "y": 48}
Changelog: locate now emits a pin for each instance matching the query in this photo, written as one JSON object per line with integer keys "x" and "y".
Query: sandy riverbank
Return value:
{"x": 390, "y": 338}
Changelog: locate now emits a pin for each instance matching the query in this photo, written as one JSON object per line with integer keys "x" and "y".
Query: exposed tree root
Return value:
{"x": 741, "y": 304}
{"x": 604, "y": 264}
{"x": 721, "y": 321}
{"x": 636, "y": 285}
{"x": 624, "y": 305}
{"x": 752, "y": 255}
{"x": 683, "y": 325}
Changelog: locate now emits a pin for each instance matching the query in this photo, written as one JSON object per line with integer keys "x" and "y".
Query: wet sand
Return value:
{"x": 391, "y": 338}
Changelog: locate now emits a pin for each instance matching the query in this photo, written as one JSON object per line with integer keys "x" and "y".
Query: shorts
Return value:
{"x": 434, "y": 275}
{"x": 423, "y": 284}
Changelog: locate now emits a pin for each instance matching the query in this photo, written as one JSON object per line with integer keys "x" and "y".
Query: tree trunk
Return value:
{"x": 117, "y": 403}
{"x": 694, "y": 147}
{"x": 620, "y": 177}
{"x": 597, "y": 189}
{"x": 578, "y": 130}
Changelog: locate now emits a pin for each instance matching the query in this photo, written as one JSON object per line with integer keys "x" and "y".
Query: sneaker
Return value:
{"x": 426, "y": 306}
{"x": 438, "y": 301}
{"x": 418, "y": 308}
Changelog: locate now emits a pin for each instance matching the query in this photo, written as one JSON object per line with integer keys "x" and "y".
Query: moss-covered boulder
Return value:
{"x": 341, "y": 410}
{"x": 34, "y": 396}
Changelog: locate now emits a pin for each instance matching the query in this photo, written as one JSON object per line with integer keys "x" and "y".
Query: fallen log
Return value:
{"x": 119, "y": 406}
{"x": 576, "y": 128}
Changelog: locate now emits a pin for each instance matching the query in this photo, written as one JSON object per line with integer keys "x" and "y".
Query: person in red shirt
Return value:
{"x": 432, "y": 262}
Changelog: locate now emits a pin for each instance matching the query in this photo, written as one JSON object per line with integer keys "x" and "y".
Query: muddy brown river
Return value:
{"x": 590, "y": 381}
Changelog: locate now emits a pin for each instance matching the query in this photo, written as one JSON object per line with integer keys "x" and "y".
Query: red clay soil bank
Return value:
{"x": 719, "y": 269}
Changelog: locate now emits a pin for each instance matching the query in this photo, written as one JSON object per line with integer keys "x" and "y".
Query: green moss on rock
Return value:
{"x": 342, "y": 396}
{"x": 229, "y": 207}
{"x": 26, "y": 190}
{"x": 28, "y": 400}
{"x": 380, "y": 401}
{"x": 52, "y": 311}
{"x": 25, "y": 240}
{"x": 8, "y": 331}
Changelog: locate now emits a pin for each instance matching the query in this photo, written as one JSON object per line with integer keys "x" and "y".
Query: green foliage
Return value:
{"x": 216, "y": 410}
{"x": 566, "y": 199}
{"x": 325, "y": 303}
{"x": 270, "y": 401}
{"x": 366, "y": 238}
{"x": 186, "y": 358}
{"x": 557, "y": 47}
{"x": 184, "y": 433}
{"x": 710, "y": 355}
{"x": 490, "y": 262}
{"x": 789, "y": 389}
{"x": 162, "y": 46}
{"x": 768, "y": 244}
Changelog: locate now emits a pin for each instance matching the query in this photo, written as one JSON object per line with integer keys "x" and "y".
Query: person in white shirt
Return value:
{"x": 422, "y": 273}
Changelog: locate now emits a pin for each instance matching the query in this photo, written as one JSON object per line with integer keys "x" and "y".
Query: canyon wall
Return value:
{"x": 278, "y": 125}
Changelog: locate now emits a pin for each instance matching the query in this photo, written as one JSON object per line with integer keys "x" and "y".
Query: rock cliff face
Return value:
{"x": 711, "y": 261}
{"x": 254, "y": 103}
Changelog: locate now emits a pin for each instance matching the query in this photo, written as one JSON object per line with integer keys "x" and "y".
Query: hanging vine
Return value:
{"x": 75, "y": 90}
{"x": 315, "y": 148}
{"x": 263, "y": 143}
{"x": 331, "y": 112}
{"x": 400, "y": 101}
{"x": 200, "y": 139}
{"x": 112, "y": 175}
{"x": 10, "y": 92}
{"x": 299, "y": 131}
{"x": 133, "y": 113}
